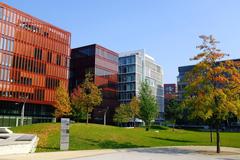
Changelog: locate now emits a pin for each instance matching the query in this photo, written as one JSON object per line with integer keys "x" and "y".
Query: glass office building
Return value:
{"x": 181, "y": 83}
{"x": 103, "y": 64}
{"x": 135, "y": 67}
{"x": 34, "y": 60}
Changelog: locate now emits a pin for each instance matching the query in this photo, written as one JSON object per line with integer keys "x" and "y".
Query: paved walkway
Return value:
{"x": 165, "y": 153}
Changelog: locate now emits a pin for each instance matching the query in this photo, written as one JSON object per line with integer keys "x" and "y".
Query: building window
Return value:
{"x": 49, "y": 57}
{"x": 107, "y": 55}
{"x": 7, "y": 44}
{"x": 45, "y": 34}
{"x": 38, "y": 53}
{"x": 65, "y": 61}
{"x": 52, "y": 83}
{"x": 1, "y": 43}
{"x": 26, "y": 81}
{"x": 1, "y": 12}
{"x": 39, "y": 94}
{"x": 12, "y": 46}
{"x": 58, "y": 62}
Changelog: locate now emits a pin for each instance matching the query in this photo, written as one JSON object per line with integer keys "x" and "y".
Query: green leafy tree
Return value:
{"x": 123, "y": 114}
{"x": 134, "y": 108}
{"x": 173, "y": 111}
{"x": 86, "y": 96}
{"x": 62, "y": 102}
{"x": 213, "y": 86}
{"x": 78, "y": 114}
{"x": 148, "y": 105}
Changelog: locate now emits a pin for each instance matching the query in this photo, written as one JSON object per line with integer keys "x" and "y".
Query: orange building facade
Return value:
{"x": 34, "y": 60}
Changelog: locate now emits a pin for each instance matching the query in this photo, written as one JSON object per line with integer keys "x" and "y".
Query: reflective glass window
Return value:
{"x": 1, "y": 12}
{"x": 1, "y": 43}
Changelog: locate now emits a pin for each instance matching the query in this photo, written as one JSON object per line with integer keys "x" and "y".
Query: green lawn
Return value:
{"x": 93, "y": 136}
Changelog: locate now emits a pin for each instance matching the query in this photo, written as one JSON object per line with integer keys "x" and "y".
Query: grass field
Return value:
{"x": 94, "y": 136}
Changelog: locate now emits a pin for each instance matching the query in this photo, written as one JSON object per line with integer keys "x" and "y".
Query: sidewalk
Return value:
{"x": 64, "y": 155}
{"x": 61, "y": 155}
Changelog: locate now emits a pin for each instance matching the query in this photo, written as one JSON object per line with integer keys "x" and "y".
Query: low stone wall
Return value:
{"x": 11, "y": 143}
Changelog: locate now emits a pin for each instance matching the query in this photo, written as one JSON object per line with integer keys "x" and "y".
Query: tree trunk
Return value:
{"x": 174, "y": 122}
{"x": 218, "y": 138}
{"x": 217, "y": 122}
{"x": 147, "y": 126}
{"x": 211, "y": 133}
{"x": 87, "y": 117}
{"x": 228, "y": 125}
{"x": 134, "y": 124}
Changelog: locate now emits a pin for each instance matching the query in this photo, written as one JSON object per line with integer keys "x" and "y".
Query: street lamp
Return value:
{"x": 23, "y": 109}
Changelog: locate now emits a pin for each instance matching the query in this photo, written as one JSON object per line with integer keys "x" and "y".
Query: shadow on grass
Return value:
{"x": 193, "y": 129}
{"x": 159, "y": 127}
{"x": 172, "y": 140}
{"x": 114, "y": 144}
{"x": 109, "y": 144}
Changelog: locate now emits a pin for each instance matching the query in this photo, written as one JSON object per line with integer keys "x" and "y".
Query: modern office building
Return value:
{"x": 181, "y": 83}
{"x": 103, "y": 64}
{"x": 135, "y": 67}
{"x": 34, "y": 60}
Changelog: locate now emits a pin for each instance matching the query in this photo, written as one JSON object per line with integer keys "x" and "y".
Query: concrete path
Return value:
{"x": 160, "y": 153}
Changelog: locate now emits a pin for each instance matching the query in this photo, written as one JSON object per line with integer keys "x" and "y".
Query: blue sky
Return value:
{"x": 167, "y": 29}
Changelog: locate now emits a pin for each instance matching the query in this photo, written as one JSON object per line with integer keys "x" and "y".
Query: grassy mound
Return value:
{"x": 93, "y": 136}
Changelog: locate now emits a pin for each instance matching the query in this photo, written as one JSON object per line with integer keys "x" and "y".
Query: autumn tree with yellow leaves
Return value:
{"x": 213, "y": 90}
{"x": 86, "y": 96}
{"x": 62, "y": 102}
{"x": 127, "y": 112}
{"x": 123, "y": 114}
{"x": 134, "y": 108}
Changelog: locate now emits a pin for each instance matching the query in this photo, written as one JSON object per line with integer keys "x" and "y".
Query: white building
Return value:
{"x": 135, "y": 67}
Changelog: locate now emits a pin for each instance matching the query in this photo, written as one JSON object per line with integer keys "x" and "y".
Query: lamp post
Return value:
{"x": 105, "y": 116}
{"x": 23, "y": 109}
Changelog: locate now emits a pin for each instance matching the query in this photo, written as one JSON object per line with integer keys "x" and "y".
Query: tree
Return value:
{"x": 148, "y": 105}
{"x": 123, "y": 114}
{"x": 78, "y": 114}
{"x": 126, "y": 112}
{"x": 78, "y": 111}
{"x": 213, "y": 86}
{"x": 173, "y": 111}
{"x": 62, "y": 102}
{"x": 86, "y": 96}
{"x": 134, "y": 108}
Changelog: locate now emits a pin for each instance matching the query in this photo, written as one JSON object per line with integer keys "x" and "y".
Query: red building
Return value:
{"x": 103, "y": 63}
{"x": 170, "y": 91}
{"x": 34, "y": 60}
